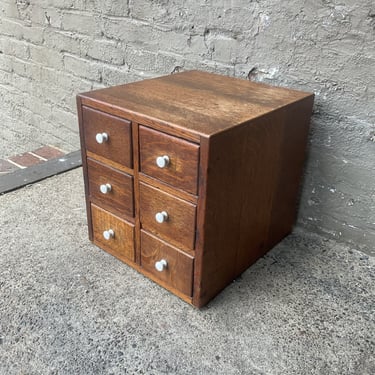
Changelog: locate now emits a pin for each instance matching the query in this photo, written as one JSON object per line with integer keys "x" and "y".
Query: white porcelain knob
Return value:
{"x": 105, "y": 188}
{"x": 101, "y": 137}
{"x": 161, "y": 217}
{"x": 108, "y": 234}
{"x": 162, "y": 161}
{"x": 161, "y": 265}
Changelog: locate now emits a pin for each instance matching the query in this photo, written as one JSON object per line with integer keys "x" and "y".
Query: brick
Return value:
{"x": 60, "y": 116}
{"x": 63, "y": 40}
{"x": 25, "y": 160}
{"x": 48, "y": 152}
{"x": 224, "y": 49}
{"x": 18, "y": 30}
{"x": 6, "y": 167}
{"x": 167, "y": 63}
{"x": 14, "y": 47}
{"x": 9, "y": 9}
{"x": 46, "y": 17}
{"x": 107, "y": 51}
{"x": 46, "y": 56}
{"x": 78, "y": 22}
{"x": 115, "y": 75}
{"x": 82, "y": 67}
{"x": 6, "y": 63}
{"x": 140, "y": 59}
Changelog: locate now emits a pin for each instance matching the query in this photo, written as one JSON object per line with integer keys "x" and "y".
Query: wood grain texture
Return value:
{"x": 179, "y": 229}
{"x": 240, "y": 199}
{"x": 292, "y": 158}
{"x": 84, "y": 165}
{"x": 120, "y": 200}
{"x": 179, "y": 272}
{"x": 109, "y": 163}
{"x": 168, "y": 188}
{"x": 237, "y": 150}
{"x": 119, "y": 145}
{"x": 192, "y": 103}
{"x": 137, "y": 237}
{"x": 182, "y": 170}
{"x": 122, "y": 244}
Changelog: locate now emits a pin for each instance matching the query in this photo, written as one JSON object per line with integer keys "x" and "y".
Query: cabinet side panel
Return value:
{"x": 84, "y": 166}
{"x": 243, "y": 169}
{"x": 292, "y": 158}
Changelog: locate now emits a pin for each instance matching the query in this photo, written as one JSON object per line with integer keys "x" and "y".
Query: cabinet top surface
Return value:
{"x": 197, "y": 102}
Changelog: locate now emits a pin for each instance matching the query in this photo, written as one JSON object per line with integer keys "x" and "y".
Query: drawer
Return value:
{"x": 118, "y": 145}
{"x": 167, "y": 263}
{"x": 166, "y": 216}
{"x": 110, "y": 188}
{"x": 178, "y": 159}
{"x": 112, "y": 234}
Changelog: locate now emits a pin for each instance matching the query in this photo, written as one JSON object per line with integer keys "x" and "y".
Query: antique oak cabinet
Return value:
{"x": 191, "y": 177}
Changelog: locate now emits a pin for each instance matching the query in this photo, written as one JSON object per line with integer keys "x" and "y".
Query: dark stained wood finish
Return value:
{"x": 237, "y": 150}
{"x": 84, "y": 165}
{"x": 292, "y": 157}
{"x": 179, "y": 229}
{"x": 247, "y": 176}
{"x": 179, "y": 272}
{"x": 182, "y": 170}
{"x": 119, "y": 145}
{"x": 137, "y": 238}
{"x": 192, "y": 103}
{"x": 122, "y": 244}
{"x": 168, "y": 188}
{"x": 120, "y": 199}
{"x": 109, "y": 163}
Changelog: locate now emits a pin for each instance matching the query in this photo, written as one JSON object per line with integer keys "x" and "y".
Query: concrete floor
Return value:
{"x": 67, "y": 307}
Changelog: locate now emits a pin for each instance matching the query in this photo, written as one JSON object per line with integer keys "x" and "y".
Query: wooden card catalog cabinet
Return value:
{"x": 191, "y": 177}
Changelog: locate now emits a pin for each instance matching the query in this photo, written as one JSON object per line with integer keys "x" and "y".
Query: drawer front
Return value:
{"x": 117, "y": 146}
{"x": 110, "y": 188}
{"x": 113, "y": 234}
{"x": 167, "y": 263}
{"x": 179, "y": 170}
{"x": 166, "y": 216}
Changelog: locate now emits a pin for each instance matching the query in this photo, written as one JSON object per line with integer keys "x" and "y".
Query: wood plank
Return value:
{"x": 179, "y": 228}
{"x": 179, "y": 265}
{"x": 121, "y": 244}
{"x": 182, "y": 169}
{"x": 137, "y": 237}
{"x": 239, "y": 196}
{"x": 168, "y": 188}
{"x": 292, "y": 158}
{"x": 118, "y": 146}
{"x": 120, "y": 198}
{"x": 22, "y": 177}
{"x": 194, "y": 102}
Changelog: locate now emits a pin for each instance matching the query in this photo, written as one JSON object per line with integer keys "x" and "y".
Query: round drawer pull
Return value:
{"x": 161, "y": 265}
{"x": 108, "y": 234}
{"x": 162, "y": 161}
{"x": 105, "y": 188}
{"x": 161, "y": 217}
{"x": 101, "y": 137}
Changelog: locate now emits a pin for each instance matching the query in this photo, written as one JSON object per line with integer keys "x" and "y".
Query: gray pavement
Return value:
{"x": 66, "y": 307}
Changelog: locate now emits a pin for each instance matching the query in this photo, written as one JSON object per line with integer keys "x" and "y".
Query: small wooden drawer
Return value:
{"x": 112, "y": 234}
{"x": 167, "y": 216}
{"x": 167, "y": 263}
{"x": 179, "y": 167}
{"x": 108, "y": 136}
{"x": 110, "y": 188}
